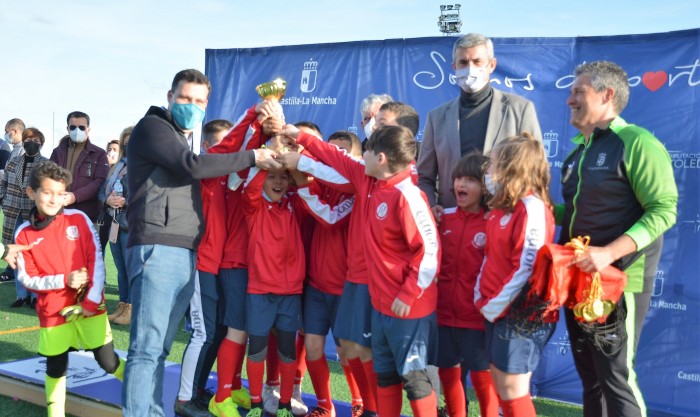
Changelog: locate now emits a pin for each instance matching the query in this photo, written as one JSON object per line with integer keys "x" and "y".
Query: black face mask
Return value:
{"x": 31, "y": 148}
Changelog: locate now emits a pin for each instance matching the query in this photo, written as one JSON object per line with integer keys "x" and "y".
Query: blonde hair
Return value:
{"x": 520, "y": 168}
{"x": 122, "y": 138}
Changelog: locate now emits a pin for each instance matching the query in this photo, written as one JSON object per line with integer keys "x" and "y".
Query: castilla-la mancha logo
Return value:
{"x": 308, "y": 76}
{"x": 550, "y": 141}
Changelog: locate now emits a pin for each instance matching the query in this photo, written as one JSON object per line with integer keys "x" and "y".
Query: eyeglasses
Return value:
{"x": 73, "y": 127}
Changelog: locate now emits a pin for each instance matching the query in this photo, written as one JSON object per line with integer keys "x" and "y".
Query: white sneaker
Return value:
{"x": 298, "y": 406}
{"x": 271, "y": 398}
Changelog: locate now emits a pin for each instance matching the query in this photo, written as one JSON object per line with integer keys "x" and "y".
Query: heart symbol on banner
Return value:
{"x": 654, "y": 80}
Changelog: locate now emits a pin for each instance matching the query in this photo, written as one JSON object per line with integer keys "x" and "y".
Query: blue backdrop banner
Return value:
{"x": 327, "y": 82}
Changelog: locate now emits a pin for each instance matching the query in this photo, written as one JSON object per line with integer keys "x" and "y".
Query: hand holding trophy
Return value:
{"x": 272, "y": 92}
{"x": 270, "y": 111}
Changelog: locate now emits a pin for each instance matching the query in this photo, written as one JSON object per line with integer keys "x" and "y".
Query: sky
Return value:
{"x": 114, "y": 59}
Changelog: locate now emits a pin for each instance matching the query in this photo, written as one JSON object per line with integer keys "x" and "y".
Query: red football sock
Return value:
{"x": 352, "y": 385}
{"x": 366, "y": 392}
{"x": 390, "y": 400}
{"x": 272, "y": 361}
{"x": 485, "y": 392}
{"x": 256, "y": 370}
{"x": 301, "y": 359}
{"x": 371, "y": 379}
{"x": 426, "y": 406}
{"x": 451, "y": 380}
{"x": 225, "y": 369}
{"x": 239, "y": 357}
{"x": 321, "y": 379}
{"x": 519, "y": 407}
{"x": 287, "y": 371}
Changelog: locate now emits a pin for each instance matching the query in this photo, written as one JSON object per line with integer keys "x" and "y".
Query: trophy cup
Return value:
{"x": 274, "y": 91}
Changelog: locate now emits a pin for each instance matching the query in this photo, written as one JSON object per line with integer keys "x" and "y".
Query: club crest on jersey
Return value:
{"x": 479, "y": 240}
{"x": 504, "y": 220}
{"x": 382, "y": 210}
{"x": 601, "y": 159}
{"x": 72, "y": 233}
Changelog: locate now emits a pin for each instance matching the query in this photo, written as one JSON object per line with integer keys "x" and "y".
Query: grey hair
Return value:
{"x": 471, "y": 40}
{"x": 606, "y": 74}
{"x": 373, "y": 99}
{"x": 16, "y": 123}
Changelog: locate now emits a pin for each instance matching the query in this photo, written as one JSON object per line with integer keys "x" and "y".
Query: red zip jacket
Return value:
{"x": 357, "y": 265}
{"x": 328, "y": 263}
{"x": 399, "y": 234}
{"x": 68, "y": 243}
{"x": 463, "y": 238}
{"x": 210, "y": 252}
{"x": 276, "y": 259}
{"x": 513, "y": 240}
{"x": 247, "y": 134}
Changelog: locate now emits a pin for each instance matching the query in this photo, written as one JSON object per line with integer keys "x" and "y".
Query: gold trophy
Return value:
{"x": 274, "y": 91}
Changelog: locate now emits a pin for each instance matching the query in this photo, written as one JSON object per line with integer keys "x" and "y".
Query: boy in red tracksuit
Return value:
{"x": 521, "y": 221}
{"x": 276, "y": 267}
{"x": 460, "y": 324}
{"x": 232, "y": 274}
{"x": 353, "y": 325}
{"x": 403, "y": 255}
{"x": 328, "y": 267}
{"x": 66, "y": 270}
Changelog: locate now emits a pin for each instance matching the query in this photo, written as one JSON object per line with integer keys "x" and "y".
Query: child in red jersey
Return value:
{"x": 66, "y": 270}
{"x": 327, "y": 270}
{"x": 403, "y": 255}
{"x": 276, "y": 268}
{"x": 223, "y": 249}
{"x": 460, "y": 324}
{"x": 521, "y": 221}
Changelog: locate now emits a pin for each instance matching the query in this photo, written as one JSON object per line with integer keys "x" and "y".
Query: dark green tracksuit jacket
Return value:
{"x": 621, "y": 182}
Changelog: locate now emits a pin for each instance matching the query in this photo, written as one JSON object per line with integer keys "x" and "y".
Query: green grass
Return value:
{"x": 23, "y": 345}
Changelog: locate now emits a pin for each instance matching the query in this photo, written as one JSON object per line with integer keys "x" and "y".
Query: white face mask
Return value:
{"x": 369, "y": 127}
{"x": 77, "y": 135}
{"x": 471, "y": 79}
{"x": 112, "y": 154}
{"x": 491, "y": 186}
{"x": 7, "y": 138}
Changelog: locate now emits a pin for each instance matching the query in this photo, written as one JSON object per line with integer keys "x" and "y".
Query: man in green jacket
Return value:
{"x": 619, "y": 189}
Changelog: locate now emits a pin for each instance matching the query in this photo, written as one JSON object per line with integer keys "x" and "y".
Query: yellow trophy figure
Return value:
{"x": 274, "y": 91}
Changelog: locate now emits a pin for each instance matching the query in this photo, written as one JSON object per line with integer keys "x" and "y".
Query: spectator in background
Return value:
{"x": 113, "y": 151}
{"x": 113, "y": 195}
{"x": 368, "y": 110}
{"x": 476, "y": 120}
{"x": 15, "y": 201}
{"x": 5, "y": 151}
{"x": 87, "y": 163}
{"x": 14, "y": 128}
{"x": 13, "y": 137}
{"x": 105, "y": 217}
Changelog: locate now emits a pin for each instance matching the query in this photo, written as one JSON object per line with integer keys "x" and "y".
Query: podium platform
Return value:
{"x": 93, "y": 392}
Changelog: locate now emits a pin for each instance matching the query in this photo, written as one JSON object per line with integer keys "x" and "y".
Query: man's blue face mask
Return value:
{"x": 187, "y": 116}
